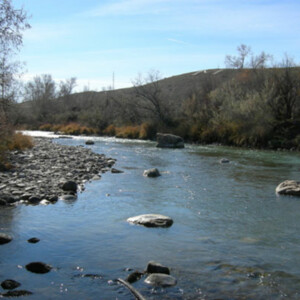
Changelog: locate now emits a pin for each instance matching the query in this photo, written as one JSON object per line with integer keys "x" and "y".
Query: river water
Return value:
{"x": 232, "y": 237}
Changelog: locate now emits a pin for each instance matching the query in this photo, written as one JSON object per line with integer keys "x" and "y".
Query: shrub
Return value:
{"x": 110, "y": 130}
{"x": 46, "y": 127}
{"x": 128, "y": 132}
{"x": 147, "y": 131}
{"x": 18, "y": 141}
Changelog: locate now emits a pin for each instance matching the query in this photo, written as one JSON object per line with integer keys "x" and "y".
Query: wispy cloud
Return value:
{"x": 130, "y": 7}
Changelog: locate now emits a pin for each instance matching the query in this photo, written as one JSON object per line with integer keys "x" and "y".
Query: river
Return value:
{"x": 232, "y": 237}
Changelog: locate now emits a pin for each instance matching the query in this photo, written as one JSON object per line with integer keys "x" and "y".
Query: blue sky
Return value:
{"x": 91, "y": 39}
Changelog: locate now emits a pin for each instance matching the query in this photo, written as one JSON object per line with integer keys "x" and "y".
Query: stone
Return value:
{"x": 33, "y": 240}
{"x": 151, "y": 220}
{"x": 224, "y": 161}
{"x": 70, "y": 186}
{"x": 89, "y": 142}
{"x": 151, "y": 173}
{"x": 154, "y": 267}
{"x": 68, "y": 197}
{"x": 3, "y": 202}
{"x": 169, "y": 141}
{"x": 38, "y": 267}
{"x": 116, "y": 171}
{"x": 17, "y": 293}
{"x": 289, "y": 187}
{"x": 10, "y": 284}
{"x": 162, "y": 280}
{"x": 34, "y": 200}
{"x": 134, "y": 276}
{"x": 5, "y": 238}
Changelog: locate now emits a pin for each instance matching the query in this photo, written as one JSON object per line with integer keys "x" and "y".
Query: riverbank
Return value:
{"x": 40, "y": 174}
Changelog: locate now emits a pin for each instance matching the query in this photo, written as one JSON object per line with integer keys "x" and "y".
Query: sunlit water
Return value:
{"x": 232, "y": 237}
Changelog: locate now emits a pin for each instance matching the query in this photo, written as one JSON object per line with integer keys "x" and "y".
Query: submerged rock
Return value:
{"x": 17, "y": 293}
{"x": 89, "y": 142}
{"x": 38, "y": 267}
{"x": 116, "y": 171}
{"x": 151, "y": 173}
{"x": 169, "y": 141}
{"x": 151, "y": 220}
{"x": 5, "y": 238}
{"x": 154, "y": 267}
{"x": 289, "y": 187}
{"x": 10, "y": 284}
{"x": 162, "y": 280}
{"x": 33, "y": 240}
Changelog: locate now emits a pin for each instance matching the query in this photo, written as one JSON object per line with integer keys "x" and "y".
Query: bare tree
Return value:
{"x": 238, "y": 62}
{"x": 12, "y": 23}
{"x": 66, "y": 87}
{"x": 150, "y": 96}
{"x": 40, "y": 91}
{"x": 260, "y": 61}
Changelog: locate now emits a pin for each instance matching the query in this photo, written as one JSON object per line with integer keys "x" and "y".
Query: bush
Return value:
{"x": 20, "y": 142}
{"x": 110, "y": 130}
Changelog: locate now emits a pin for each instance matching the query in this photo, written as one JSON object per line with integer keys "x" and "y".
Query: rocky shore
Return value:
{"x": 49, "y": 172}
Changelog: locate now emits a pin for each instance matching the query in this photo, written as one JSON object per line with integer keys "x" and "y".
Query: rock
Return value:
{"x": 116, "y": 171}
{"x": 34, "y": 200}
{"x": 38, "y": 267}
{"x": 17, "y": 293}
{"x": 89, "y": 142}
{"x": 134, "y": 276}
{"x": 96, "y": 177}
{"x": 162, "y": 280}
{"x": 151, "y": 173}
{"x": 68, "y": 197}
{"x": 289, "y": 187}
{"x": 33, "y": 240}
{"x": 3, "y": 202}
{"x": 10, "y": 284}
{"x": 154, "y": 267}
{"x": 169, "y": 141}
{"x": 224, "y": 161}
{"x": 5, "y": 238}
{"x": 70, "y": 186}
{"x": 151, "y": 220}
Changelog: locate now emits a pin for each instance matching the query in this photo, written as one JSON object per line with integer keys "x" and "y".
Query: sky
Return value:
{"x": 98, "y": 40}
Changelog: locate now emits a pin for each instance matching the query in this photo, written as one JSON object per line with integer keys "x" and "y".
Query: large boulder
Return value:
{"x": 151, "y": 173}
{"x": 162, "y": 280}
{"x": 289, "y": 187}
{"x": 169, "y": 141}
{"x": 151, "y": 220}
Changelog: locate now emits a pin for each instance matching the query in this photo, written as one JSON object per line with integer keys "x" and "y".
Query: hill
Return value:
{"x": 245, "y": 107}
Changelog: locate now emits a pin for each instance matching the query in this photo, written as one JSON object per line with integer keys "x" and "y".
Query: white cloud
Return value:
{"x": 130, "y": 7}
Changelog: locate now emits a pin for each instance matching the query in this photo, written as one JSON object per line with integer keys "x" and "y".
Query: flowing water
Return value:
{"x": 232, "y": 237}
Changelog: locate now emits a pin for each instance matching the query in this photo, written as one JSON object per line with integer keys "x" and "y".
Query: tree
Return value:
{"x": 238, "y": 62}
{"x": 150, "y": 98}
{"x": 40, "y": 91}
{"x": 66, "y": 87}
{"x": 12, "y": 23}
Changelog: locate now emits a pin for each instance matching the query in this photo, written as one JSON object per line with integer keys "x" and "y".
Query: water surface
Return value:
{"x": 232, "y": 237}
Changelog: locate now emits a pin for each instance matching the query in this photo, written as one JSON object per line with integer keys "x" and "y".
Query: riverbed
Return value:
{"x": 232, "y": 237}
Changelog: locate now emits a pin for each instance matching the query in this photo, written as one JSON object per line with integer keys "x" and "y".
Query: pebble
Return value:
{"x": 47, "y": 170}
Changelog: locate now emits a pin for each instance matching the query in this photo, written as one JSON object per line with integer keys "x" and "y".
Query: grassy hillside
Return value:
{"x": 244, "y": 107}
